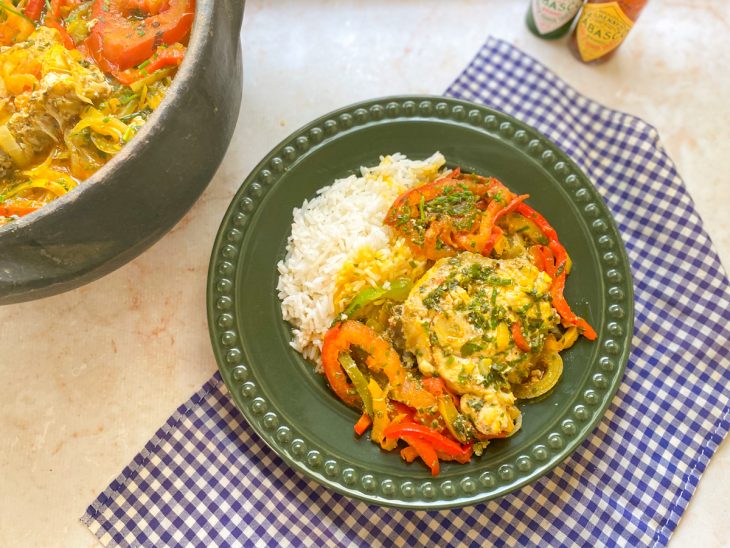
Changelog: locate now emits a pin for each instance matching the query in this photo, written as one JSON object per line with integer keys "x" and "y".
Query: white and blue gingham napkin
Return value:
{"x": 207, "y": 479}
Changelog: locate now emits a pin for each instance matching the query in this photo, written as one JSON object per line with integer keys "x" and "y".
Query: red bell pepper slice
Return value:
{"x": 402, "y": 409}
{"x": 425, "y": 451}
{"x": 381, "y": 358}
{"x": 461, "y": 458}
{"x": 544, "y": 259}
{"x": 511, "y": 206}
{"x": 561, "y": 257}
{"x": 54, "y": 18}
{"x": 363, "y": 424}
{"x": 17, "y": 210}
{"x": 438, "y": 441}
{"x": 65, "y": 36}
{"x": 334, "y": 343}
{"x": 409, "y": 454}
{"x": 427, "y": 191}
{"x": 33, "y": 9}
{"x": 519, "y": 338}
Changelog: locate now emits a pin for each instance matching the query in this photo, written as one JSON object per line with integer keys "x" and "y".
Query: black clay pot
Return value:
{"x": 138, "y": 196}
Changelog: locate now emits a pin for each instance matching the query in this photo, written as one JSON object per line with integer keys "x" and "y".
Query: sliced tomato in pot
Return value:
{"x": 128, "y": 32}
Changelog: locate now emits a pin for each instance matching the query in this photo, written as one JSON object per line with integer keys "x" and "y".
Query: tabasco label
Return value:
{"x": 550, "y": 15}
{"x": 601, "y": 28}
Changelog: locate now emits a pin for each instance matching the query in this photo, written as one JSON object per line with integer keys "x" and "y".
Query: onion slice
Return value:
{"x": 553, "y": 370}
{"x": 12, "y": 148}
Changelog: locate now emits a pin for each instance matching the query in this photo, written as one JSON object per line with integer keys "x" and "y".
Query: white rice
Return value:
{"x": 341, "y": 219}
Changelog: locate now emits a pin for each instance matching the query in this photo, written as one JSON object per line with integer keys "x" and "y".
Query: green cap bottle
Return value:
{"x": 552, "y": 19}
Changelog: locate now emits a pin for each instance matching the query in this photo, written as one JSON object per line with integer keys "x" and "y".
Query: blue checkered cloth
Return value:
{"x": 207, "y": 479}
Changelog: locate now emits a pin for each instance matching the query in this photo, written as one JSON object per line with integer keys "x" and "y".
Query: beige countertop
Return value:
{"x": 89, "y": 376}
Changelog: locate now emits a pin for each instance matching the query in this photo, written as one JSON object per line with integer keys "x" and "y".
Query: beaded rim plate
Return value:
{"x": 289, "y": 405}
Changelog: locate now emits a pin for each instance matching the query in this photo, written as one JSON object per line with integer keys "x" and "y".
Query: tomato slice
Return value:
{"x": 118, "y": 41}
{"x": 443, "y": 231}
{"x": 163, "y": 57}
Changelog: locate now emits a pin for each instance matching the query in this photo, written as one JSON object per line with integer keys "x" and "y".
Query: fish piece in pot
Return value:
{"x": 45, "y": 88}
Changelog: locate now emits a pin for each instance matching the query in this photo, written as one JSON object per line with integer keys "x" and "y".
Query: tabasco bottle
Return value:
{"x": 602, "y": 26}
{"x": 551, "y": 18}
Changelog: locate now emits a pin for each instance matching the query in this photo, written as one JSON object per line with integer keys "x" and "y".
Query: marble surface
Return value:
{"x": 88, "y": 376}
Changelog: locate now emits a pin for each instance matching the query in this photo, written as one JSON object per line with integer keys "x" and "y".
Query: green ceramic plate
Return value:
{"x": 290, "y": 406}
